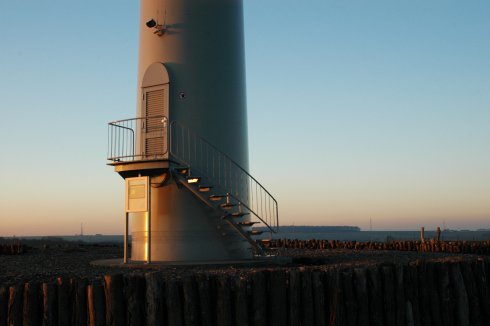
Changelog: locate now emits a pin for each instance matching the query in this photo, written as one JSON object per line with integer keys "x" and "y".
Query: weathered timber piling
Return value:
{"x": 15, "y": 306}
{"x": 115, "y": 305}
{"x": 335, "y": 301}
{"x": 96, "y": 304}
{"x": 432, "y": 245}
{"x": 278, "y": 298}
{"x": 174, "y": 302}
{"x": 205, "y": 285}
{"x": 4, "y": 301}
{"x": 294, "y": 303}
{"x": 319, "y": 298}
{"x": 360, "y": 287}
{"x": 49, "y": 304}
{"x": 242, "y": 299}
{"x": 259, "y": 299}
{"x": 64, "y": 302}
{"x": 155, "y": 307}
{"x": 32, "y": 304}
{"x": 134, "y": 294}
{"x": 450, "y": 293}
{"x": 460, "y": 294}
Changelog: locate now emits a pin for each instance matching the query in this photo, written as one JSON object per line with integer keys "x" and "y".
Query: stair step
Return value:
{"x": 216, "y": 197}
{"x": 182, "y": 170}
{"x": 227, "y": 206}
{"x": 239, "y": 214}
{"x": 205, "y": 188}
{"x": 193, "y": 180}
{"x": 255, "y": 232}
{"x": 247, "y": 223}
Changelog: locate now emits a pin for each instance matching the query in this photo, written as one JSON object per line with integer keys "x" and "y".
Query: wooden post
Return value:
{"x": 375, "y": 297}
{"x": 115, "y": 308}
{"x": 360, "y": 287}
{"x": 409, "y": 314}
{"x": 462, "y": 308}
{"x": 412, "y": 293}
{"x": 259, "y": 299}
{"x": 445, "y": 302}
{"x": 389, "y": 295}
{"x": 50, "y": 304}
{"x": 431, "y": 283}
{"x": 155, "y": 301}
{"x": 424, "y": 302}
{"x": 472, "y": 292}
{"x": 79, "y": 317}
{"x": 350, "y": 302}
{"x": 241, "y": 301}
{"x": 96, "y": 305}
{"x": 482, "y": 285}
{"x": 134, "y": 295}
{"x": 319, "y": 298}
{"x": 174, "y": 302}
{"x": 64, "y": 302}
{"x": 191, "y": 301}
{"x": 223, "y": 301}
{"x": 335, "y": 298}
{"x": 15, "y": 306}
{"x": 422, "y": 235}
{"x": 278, "y": 300}
{"x": 294, "y": 297}
{"x": 207, "y": 298}
{"x": 307, "y": 298}
{"x": 400, "y": 296}
{"x": 438, "y": 234}
{"x": 4, "y": 302}
{"x": 32, "y": 304}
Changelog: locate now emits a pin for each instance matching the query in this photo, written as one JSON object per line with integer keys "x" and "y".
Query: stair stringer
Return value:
{"x": 257, "y": 248}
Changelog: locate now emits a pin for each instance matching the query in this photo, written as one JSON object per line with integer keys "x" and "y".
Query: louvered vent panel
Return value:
{"x": 154, "y": 146}
{"x": 155, "y": 105}
{"x": 155, "y": 127}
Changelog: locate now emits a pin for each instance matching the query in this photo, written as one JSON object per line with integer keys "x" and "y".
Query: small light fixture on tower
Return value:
{"x": 159, "y": 29}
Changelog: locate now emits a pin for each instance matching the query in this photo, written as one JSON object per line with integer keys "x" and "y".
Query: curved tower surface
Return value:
{"x": 190, "y": 136}
{"x": 202, "y": 50}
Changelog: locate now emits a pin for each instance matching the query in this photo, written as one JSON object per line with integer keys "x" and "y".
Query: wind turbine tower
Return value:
{"x": 184, "y": 158}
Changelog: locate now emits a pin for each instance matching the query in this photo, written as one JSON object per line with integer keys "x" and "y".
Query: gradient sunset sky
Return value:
{"x": 357, "y": 110}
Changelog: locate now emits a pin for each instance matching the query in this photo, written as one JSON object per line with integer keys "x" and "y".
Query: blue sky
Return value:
{"x": 357, "y": 110}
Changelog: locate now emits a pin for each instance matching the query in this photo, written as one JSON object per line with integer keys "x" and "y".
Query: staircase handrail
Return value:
{"x": 124, "y": 135}
{"x": 274, "y": 216}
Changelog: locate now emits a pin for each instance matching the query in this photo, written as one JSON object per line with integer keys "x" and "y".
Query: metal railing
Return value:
{"x": 143, "y": 138}
{"x": 207, "y": 161}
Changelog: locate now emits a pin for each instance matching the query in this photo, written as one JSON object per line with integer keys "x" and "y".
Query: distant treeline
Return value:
{"x": 317, "y": 229}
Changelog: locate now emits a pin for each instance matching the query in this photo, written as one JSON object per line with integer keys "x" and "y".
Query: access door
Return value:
{"x": 155, "y": 122}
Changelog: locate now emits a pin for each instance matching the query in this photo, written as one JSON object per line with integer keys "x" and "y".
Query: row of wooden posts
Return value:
{"x": 415, "y": 294}
{"x": 466, "y": 247}
{"x": 14, "y": 248}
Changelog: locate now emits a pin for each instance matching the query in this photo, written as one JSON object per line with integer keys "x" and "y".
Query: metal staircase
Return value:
{"x": 195, "y": 164}
{"x": 222, "y": 184}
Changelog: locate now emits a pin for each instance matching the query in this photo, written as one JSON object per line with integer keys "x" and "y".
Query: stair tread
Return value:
{"x": 239, "y": 214}
{"x": 247, "y": 223}
{"x": 193, "y": 179}
{"x": 216, "y": 197}
{"x": 182, "y": 169}
{"x": 227, "y": 206}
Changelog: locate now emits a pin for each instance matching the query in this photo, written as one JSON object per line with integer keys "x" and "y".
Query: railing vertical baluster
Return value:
{"x": 109, "y": 141}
